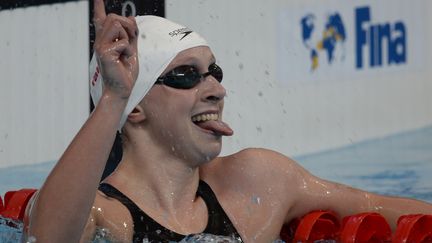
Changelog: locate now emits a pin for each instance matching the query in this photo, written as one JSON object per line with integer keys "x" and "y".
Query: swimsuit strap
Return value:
{"x": 147, "y": 228}
{"x": 218, "y": 221}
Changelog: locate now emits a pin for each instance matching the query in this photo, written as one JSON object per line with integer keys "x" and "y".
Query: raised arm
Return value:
{"x": 62, "y": 206}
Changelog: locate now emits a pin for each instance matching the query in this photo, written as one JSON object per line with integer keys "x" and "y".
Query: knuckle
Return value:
{"x": 117, "y": 24}
{"x": 112, "y": 15}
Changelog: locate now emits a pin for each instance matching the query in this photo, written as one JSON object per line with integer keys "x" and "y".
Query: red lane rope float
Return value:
{"x": 16, "y": 202}
{"x": 314, "y": 226}
{"x": 416, "y": 228}
{"x": 365, "y": 227}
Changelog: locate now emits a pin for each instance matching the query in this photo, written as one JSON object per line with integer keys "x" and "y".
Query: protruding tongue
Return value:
{"x": 218, "y": 127}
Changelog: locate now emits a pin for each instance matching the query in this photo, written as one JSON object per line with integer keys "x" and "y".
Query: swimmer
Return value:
{"x": 160, "y": 84}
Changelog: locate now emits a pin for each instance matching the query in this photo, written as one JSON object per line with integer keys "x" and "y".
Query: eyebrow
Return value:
{"x": 192, "y": 61}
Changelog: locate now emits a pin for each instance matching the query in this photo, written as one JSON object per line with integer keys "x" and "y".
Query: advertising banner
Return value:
{"x": 350, "y": 40}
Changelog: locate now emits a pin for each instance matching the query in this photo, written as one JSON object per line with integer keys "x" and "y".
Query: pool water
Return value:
{"x": 10, "y": 231}
{"x": 399, "y": 165}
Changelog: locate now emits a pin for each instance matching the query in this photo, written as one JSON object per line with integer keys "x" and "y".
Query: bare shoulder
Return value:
{"x": 255, "y": 169}
{"x": 258, "y": 161}
{"x": 111, "y": 217}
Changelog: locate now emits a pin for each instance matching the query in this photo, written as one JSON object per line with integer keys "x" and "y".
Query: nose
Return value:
{"x": 212, "y": 90}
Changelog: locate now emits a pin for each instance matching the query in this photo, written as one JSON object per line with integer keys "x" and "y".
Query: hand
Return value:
{"x": 116, "y": 50}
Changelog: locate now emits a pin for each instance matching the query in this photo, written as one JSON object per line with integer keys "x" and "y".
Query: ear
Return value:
{"x": 137, "y": 115}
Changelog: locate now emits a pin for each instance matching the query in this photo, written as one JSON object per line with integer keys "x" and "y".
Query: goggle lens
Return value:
{"x": 187, "y": 77}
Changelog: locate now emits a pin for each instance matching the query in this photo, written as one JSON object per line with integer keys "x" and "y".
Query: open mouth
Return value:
{"x": 205, "y": 120}
{"x": 211, "y": 123}
{"x": 205, "y": 117}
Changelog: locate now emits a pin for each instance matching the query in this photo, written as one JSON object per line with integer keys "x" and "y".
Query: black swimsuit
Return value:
{"x": 146, "y": 228}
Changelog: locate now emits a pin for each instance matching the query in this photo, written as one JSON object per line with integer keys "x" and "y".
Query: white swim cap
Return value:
{"x": 159, "y": 42}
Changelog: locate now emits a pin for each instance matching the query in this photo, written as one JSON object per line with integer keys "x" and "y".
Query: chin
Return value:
{"x": 210, "y": 152}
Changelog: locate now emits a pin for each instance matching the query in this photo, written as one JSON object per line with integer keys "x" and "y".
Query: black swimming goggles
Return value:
{"x": 187, "y": 77}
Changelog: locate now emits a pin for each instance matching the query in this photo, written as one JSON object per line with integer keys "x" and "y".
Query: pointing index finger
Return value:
{"x": 99, "y": 13}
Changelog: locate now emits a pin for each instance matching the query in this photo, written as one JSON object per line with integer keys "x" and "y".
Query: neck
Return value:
{"x": 168, "y": 181}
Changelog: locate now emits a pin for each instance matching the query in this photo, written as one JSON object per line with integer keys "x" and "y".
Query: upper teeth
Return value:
{"x": 205, "y": 117}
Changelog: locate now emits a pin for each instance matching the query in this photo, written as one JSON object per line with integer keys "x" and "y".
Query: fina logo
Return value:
{"x": 333, "y": 37}
{"x": 384, "y": 43}
{"x": 373, "y": 36}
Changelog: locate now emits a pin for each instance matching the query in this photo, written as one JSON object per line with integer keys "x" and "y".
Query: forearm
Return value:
{"x": 394, "y": 207}
{"x": 64, "y": 201}
{"x": 346, "y": 201}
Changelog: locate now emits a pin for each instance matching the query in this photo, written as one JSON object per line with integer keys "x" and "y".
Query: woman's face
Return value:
{"x": 175, "y": 116}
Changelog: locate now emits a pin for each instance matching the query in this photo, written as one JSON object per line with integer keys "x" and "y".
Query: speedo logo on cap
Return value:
{"x": 95, "y": 76}
{"x": 183, "y": 31}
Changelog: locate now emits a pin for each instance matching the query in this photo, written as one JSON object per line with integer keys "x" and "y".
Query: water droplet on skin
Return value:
{"x": 255, "y": 199}
{"x": 378, "y": 208}
{"x": 31, "y": 239}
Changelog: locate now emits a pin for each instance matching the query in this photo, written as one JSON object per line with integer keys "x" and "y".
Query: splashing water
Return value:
{"x": 209, "y": 238}
{"x": 102, "y": 236}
